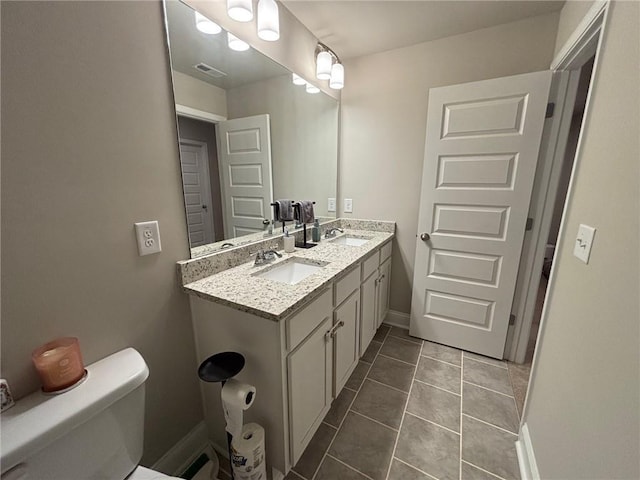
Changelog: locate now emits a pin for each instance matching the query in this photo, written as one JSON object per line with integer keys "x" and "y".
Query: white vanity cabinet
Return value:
{"x": 376, "y": 274}
{"x": 298, "y": 363}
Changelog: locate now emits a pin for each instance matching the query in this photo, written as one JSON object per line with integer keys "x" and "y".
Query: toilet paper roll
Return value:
{"x": 236, "y": 398}
{"x": 248, "y": 455}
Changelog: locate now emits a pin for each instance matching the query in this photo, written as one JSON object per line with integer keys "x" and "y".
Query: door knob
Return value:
{"x": 425, "y": 237}
{"x": 204, "y": 207}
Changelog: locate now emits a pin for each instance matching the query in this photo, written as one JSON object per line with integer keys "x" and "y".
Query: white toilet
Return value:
{"x": 93, "y": 431}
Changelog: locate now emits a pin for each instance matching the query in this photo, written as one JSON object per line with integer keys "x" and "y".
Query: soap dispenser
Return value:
{"x": 315, "y": 231}
{"x": 289, "y": 242}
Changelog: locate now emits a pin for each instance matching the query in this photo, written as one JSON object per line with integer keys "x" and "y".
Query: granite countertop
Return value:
{"x": 239, "y": 288}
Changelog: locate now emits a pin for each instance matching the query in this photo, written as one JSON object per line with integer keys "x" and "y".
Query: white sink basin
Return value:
{"x": 291, "y": 271}
{"x": 351, "y": 241}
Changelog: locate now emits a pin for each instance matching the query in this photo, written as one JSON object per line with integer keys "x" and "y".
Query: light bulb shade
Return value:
{"x": 268, "y": 20}
{"x": 207, "y": 26}
{"x": 236, "y": 44}
{"x": 312, "y": 89}
{"x": 337, "y": 76}
{"x": 323, "y": 66}
{"x": 298, "y": 80}
{"x": 240, "y": 10}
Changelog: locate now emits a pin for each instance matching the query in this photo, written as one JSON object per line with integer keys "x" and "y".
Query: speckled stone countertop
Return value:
{"x": 240, "y": 288}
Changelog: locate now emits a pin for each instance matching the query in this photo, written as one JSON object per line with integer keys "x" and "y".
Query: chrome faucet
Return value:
{"x": 331, "y": 232}
{"x": 266, "y": 256}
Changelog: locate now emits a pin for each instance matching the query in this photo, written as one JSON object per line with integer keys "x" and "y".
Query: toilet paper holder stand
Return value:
{"x": 219, "y": 368}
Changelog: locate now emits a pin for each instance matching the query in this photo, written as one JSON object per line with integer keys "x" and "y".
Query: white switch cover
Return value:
{"x": 331, "y": 205}
{"x": 148, "y": 236}
{"x": 584, "y": 240}
{"x": 348, "y": 205}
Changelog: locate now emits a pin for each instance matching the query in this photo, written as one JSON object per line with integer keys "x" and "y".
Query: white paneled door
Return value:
{"x": 481, "y": 152}
{"x": 194, "y": 162}
{"x": 244, "y": 146}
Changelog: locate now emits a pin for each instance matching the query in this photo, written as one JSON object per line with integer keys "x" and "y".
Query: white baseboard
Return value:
{"x": 182, "y": 454}
{"x": 397, "y": 319}
{"x": 526, "y": 457}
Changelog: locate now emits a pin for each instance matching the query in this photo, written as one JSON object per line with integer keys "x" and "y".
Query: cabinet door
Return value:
{"x": 346, "y": 322}
{"x": 310, "y": 371}
{"x": 369, "y": 307}
{"x": 384, "y": 285}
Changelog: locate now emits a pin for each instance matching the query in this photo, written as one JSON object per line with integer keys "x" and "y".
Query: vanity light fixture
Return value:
{"x": 298, "y": 80}
{"x": 312, "y": 88}
{"x": 207, "y": 26}
{"x": 240, "y": 10}
{"x": 236, "y": 44}
{"x": 329, "y": 67}
{"x": 268, "y": 20}
{"x": 337, "y": 76}
{"x": 323, "y": 65}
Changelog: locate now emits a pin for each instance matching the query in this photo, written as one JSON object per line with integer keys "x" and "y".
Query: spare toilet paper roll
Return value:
{"x": 236, "y": 398}
{"x": 248, "y": 455}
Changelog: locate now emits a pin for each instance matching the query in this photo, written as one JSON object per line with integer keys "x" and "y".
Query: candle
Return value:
{"x": 59, "y": 363}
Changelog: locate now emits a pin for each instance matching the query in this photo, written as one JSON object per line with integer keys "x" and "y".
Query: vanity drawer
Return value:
{"x": 370, "y": 265}
{"x": 385, "y": 252}
{"x": 302, "y": 324}
{"x": 346, "y": 285}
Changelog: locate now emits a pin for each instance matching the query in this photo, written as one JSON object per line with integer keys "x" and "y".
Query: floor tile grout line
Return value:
{"x": 489, "y": 389}
{"x": 461, "y": 408}
{"x": 404, "y": 415}
{"x": 442, "y": 361}
{"x": 490, "y": 424}
{"x": 385, "y": 385}
{"x": 404, "y": 339}
{"x": 439, "y": 388}
{"x": 432, "y": 422}
{"x": 415, "y": 468}
{"x": 345, "y": 417}
{"x": 486, "y": 363}
{"x": 373, "y": 420}
{"x": 483, "y": 469}
{"x": 396, "y": 359}
{"x": 349, "y": 466}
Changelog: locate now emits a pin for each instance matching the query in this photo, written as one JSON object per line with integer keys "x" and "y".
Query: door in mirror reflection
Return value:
{"x": 245, "y": 164}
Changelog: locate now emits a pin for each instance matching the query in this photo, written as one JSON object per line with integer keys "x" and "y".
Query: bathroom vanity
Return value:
{"x": 302, "y": 322}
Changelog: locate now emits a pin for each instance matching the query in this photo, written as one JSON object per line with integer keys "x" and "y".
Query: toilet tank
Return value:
{"x": 93, "y": 431}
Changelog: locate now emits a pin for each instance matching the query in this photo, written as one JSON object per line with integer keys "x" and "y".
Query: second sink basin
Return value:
{"x": 351, "y": 241}
{"x": 291, "y": 271}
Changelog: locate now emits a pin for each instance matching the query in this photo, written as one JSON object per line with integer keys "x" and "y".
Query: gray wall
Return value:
{"x": 384, "y": 111}
{"x": 583, "y": 406}
{"x": 88, "y": 148}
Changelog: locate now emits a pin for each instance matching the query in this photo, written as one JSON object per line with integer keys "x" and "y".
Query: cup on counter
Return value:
{"x": 59, "y": 363}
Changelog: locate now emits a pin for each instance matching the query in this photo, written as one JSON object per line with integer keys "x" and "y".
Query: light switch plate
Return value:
{"x": 148, "y": 236}
{"x": 348, "y": 205}
{"x": 331, "y": 205}
{"x": 584, "y": 241}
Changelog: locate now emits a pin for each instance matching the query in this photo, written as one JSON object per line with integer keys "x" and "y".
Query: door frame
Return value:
{"x": 585, "y": 42}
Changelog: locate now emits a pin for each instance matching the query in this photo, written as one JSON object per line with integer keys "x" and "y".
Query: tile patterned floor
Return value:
{"x": 415, "y": 410}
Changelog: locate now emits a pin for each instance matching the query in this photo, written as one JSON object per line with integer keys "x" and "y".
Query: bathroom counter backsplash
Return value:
{"x": 238, "y": 287}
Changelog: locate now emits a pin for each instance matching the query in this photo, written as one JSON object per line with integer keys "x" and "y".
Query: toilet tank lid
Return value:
{"x": 39, "y": 419}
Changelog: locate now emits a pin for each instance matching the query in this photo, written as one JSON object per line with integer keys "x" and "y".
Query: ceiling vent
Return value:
{"x": 209, "y": 70}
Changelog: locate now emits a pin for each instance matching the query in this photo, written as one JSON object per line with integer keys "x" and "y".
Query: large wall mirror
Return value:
{"x": 247, "y": 135}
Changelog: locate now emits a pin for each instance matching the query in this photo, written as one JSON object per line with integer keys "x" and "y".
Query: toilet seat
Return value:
{"x": 143, "y": 473}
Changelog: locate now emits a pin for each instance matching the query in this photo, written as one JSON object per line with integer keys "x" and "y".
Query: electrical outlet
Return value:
{"x": 348, "y": 205}
{"x": 148, "y": 236}
{"x": 331, "y": 205}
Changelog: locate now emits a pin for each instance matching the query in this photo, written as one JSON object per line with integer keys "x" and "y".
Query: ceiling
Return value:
{"x": 356, "y": 28}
